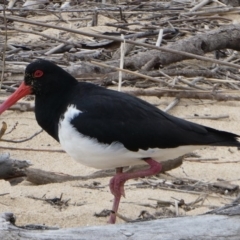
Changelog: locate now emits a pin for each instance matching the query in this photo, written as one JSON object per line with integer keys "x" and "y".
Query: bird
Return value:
{"x": 105, "y": 129}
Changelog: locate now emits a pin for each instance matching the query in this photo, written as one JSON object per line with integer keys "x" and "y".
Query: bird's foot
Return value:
{"x": 117, "y": 183}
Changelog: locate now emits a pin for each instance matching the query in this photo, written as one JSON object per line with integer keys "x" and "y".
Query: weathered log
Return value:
{"x": 204, "y": 227}
{"x": 38, "y": 176}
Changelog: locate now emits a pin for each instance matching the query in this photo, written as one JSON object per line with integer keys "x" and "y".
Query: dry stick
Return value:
{"x": 113, "y": 9}
{"x": 209, "y": 117}
{"x": 160, "y": 36}
{"x": 53, "y": 50}
{"x": 196, "y": 19}
{"x": 42, "y": 34}
{"x": 220, "y": 3}
{"x": 190, "y": 55}
{"x": 5, "y": 43}
{"x": 122, "y": 51}
{"x": 188, "y": 192}
{"x": 125, "y": 219}
{"x": 200, "y": 160}
{"x": 3, "y": 130}
{"x": 172, "y": 104}
{"x": 141, "y": 75}
{"x": 128, "y": 71}
{"x": 210, "y": 160}
{"x": 220, "y": 80}
{"x": 38, "y": 176}
{"x": 24, "y": 140}
{"x": 32, "y": 149}
{"x": 211, "y": 11}
{"x": 190, "y": 84}
{"x": 185, "y": 94}
{"x": 201, "y": 4}
{"x": 3, "y": 194}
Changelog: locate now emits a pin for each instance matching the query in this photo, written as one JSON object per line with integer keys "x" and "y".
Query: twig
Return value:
{"x": 200, "y": 5}
{"x": 190, "y": 55}
{"x": 125, "y": 219}
{"x": 24, "y": 140}
{"x": 172, "y": 104}
{"x": 122, "y": 51}
{"x": 43, "y": 35}
{"x": 5, "y": 43}
{"x": 3, "y": 194}
{"x": 3, "y": 130}
{"x": 128, "y": 71}
{"x": 219, "y": 96}
{"x": 13, "y": 128}
{"x": 189, "y": 192}
{"x": 209, "y": 117}
{"x": 237, "y": 161}
{"x": 33, "y": 149}
{"x": 53, "y": 50}
{"x": 160, "y": 35}
{"x": 200, "y": 160}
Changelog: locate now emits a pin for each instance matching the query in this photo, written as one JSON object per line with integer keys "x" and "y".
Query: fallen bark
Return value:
{"x": 204, "y": 227}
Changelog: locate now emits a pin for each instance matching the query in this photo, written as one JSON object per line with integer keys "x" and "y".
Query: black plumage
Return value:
{"x": 111, "y": 116}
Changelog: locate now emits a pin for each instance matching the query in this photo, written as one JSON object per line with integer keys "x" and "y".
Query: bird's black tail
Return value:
{"x": 222, "y": 138}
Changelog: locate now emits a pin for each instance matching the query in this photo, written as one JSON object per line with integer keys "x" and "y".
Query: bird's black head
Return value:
{"x": 45, "y": 77}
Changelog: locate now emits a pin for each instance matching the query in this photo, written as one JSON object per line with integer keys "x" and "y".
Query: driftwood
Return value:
{"x": 176, "y": 52}
{"x": 11, "y": 169}
{"x": 204, "y": 227}
{"x": 15, "y": 171}
{"x": 224, "y": 37}
{"x": 38, "y": 176}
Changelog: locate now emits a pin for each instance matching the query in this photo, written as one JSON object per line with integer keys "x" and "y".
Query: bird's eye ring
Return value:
{"x": 37, "y": 73}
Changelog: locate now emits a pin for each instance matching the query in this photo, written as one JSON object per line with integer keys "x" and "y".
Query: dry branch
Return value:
{"x": 38, "y": 176}
{"x": 171, "y": 72}
{"x": 219, "y": 96}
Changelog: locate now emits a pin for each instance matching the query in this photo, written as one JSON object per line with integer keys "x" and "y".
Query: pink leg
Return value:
{"x": 117, "y": 183}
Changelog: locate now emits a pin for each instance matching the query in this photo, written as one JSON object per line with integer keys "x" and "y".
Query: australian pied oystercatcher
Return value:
{"x": 105, "y": 129}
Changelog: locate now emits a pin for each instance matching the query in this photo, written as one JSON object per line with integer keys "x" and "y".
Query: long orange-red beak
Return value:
{"x": 22, "y": 91}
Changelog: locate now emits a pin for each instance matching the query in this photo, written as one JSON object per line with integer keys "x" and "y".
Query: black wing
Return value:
{"x": 111, "y": 116}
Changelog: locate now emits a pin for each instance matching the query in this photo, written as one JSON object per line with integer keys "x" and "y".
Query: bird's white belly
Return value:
{"x": 90, "y": 152}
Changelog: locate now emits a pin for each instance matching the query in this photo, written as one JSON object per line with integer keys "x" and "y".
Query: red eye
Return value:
{"x": 38, "y": 73}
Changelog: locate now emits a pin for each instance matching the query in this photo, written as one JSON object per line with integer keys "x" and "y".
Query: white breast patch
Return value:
{"x": 90, "y": 152}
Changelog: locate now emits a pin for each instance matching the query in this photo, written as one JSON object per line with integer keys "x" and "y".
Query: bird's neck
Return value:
{"x": 48, "y": 110}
